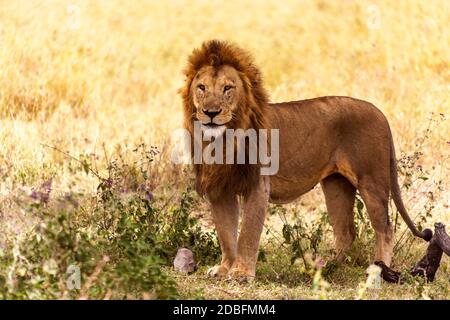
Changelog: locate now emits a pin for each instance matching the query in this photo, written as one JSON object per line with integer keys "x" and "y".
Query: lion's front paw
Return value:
{"x": 217, "y": 271}
{"x": 241, "y": 275}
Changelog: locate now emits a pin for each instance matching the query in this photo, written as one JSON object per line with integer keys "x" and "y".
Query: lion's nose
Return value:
{"x": 211, "y": 114}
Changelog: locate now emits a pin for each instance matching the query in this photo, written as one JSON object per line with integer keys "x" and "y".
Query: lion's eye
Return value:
{"x": 201, "y": 87}
{"x": 227, "y": 88}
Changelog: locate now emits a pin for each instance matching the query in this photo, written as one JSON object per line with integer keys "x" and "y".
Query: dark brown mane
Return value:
{"x": 216, "y": 179}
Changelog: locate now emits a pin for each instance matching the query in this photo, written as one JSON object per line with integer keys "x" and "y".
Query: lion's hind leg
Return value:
{"x": 340, "y": 198}
{"x": 375, "y": 195}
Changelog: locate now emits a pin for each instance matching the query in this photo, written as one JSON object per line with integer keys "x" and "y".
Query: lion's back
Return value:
{"x": 328, "y": 113}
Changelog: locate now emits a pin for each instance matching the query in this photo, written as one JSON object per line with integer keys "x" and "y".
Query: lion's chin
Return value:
{"x": 213, "y": 131}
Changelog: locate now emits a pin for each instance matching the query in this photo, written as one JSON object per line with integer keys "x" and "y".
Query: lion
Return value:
{"x": 343, "y": 143}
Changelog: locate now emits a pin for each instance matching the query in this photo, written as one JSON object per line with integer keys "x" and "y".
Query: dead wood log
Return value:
{"x": 442, "y": 238}
{"x": 429, "y": 264}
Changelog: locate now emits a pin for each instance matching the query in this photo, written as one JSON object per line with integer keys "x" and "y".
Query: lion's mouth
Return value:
{"x": 212, "y": 125}
{"x": 213, "y": 130}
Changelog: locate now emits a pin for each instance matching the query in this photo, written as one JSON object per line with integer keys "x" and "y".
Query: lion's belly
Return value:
{"x": 282, "y": 191}
{"x": 285, "y": 188}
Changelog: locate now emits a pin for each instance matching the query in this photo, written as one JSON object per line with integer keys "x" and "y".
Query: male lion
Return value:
{"x": 341, "y": 142}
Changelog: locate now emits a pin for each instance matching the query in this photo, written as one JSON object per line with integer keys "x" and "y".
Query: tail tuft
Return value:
{"x": 427, "y": 234}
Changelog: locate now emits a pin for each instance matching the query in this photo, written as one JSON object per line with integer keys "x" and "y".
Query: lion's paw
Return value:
{"x": 241, "y": 275}
{"x": 217, "y": 271}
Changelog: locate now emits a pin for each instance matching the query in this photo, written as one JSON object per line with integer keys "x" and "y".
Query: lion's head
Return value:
{"x": 216, "y": 94}
{"x": 223, "y": 89}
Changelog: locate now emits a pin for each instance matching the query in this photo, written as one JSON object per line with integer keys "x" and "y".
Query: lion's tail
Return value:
{"x": 396, "y": 196}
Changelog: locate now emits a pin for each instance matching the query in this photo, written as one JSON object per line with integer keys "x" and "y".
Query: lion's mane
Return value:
{"x": 215, "y": 179}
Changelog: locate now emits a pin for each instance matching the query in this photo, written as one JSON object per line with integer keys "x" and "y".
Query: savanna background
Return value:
{"x": 88, "y": 102}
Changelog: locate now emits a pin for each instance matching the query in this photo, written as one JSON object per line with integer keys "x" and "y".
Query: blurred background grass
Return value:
{"x": 91, "y": 77}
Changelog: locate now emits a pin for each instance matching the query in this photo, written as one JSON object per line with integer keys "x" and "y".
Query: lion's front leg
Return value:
{"x": 225, "y": 213}
{"x": 255, "y": 208}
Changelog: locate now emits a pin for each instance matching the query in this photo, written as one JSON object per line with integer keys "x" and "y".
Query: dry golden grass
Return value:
{"x": 85, "y": 76}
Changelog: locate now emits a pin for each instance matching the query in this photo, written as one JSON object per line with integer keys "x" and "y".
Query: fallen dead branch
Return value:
{"x": 429, "y": 264}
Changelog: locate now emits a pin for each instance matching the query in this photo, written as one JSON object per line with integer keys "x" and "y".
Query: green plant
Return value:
{"x": 121, "y": 240}
{"x": 301, "y": 237}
